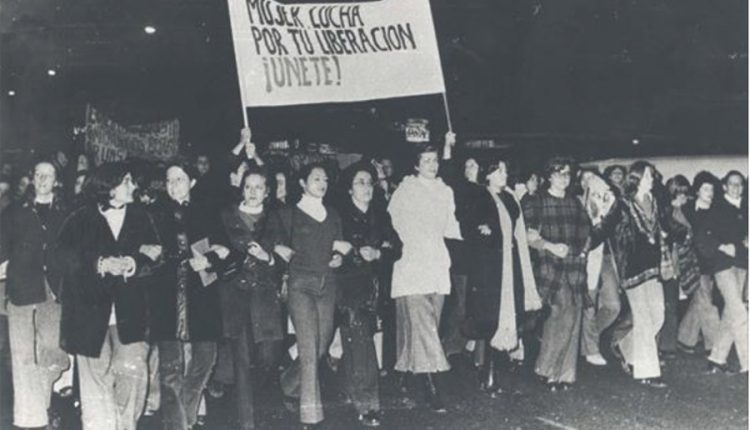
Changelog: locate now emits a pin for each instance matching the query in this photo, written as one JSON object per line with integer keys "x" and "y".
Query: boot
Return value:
{"x": 403, "y": 388}
{"x": 434, "y": 400}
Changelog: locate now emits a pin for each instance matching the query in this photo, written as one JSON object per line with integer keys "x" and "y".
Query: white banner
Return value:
{"x": 334, "y": 52}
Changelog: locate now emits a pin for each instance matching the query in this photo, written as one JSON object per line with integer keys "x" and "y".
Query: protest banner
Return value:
{"x": 107, "y": 140}
{"x": 334, "y": 52}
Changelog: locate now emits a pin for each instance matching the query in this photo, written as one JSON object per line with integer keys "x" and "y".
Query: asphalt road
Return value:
{"x": 603, "y": 398}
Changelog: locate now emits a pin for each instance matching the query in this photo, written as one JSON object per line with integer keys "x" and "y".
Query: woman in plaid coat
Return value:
{"x": 558, "y": 232}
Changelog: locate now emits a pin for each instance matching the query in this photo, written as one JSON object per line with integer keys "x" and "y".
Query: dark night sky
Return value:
{"x": 584, "y": 76}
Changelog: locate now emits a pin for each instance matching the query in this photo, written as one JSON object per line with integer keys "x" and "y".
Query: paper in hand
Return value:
{"x": 202, "y": 247}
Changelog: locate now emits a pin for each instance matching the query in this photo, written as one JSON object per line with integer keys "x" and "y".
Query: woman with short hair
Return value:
{"x": 423, "y": 212}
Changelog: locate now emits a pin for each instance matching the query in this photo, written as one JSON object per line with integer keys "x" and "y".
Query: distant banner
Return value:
{"x": 108, "y": 141}
{"x": 335, "y": 52}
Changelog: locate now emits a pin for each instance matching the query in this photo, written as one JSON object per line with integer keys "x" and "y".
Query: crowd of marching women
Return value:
{"x": 156, "y": 285}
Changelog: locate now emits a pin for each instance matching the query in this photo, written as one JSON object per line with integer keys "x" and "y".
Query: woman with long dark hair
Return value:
{"x": 311, "y": 241}
{"x": 502, "y": 285}
{"x": 641, "y": 257}
{"x": 109, "y": 249}
{"x": 250, "y": 304}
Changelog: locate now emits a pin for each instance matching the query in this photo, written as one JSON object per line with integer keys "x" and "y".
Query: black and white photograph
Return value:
{"x": 395, "y": 214}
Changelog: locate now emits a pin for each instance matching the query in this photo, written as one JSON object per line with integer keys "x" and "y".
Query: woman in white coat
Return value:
{"x": 423, "y": 213}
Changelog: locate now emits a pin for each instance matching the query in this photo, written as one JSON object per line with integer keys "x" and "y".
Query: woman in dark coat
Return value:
{"x": 501, "y": 282}
{"x": 185, "y": 304}
{"x": 366, "y": 228}
{"x": 109, "y": 249}
{"x": 250, "y": 303}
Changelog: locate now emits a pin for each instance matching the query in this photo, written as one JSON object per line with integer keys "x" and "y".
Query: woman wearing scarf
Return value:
{"x": 250, "y": 304}
{"x": 423, "y": 214}
{"x": 502, "y": 286}
{"x": 641, "y": 257}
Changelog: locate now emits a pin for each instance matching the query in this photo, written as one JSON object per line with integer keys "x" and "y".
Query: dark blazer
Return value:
{"x": 485, "y": 255}
{"x": 28, "y": 244}
{"x": 252, "y": 294}
{"x": 722, "y": 224}
{"x": 87, "y": 298}
{"x": 202, "y": 310}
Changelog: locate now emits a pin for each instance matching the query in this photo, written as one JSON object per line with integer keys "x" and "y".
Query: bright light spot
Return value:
{"x": 149, "y": 29}
{"x": 51, "y": 72}
{"x": 11, "y": 93}
{"x": 636, "y": 141}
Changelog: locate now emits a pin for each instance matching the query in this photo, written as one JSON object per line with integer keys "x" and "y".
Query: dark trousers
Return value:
{"x": 311, "y": 307}
{"x": 243, "y": 353}
{"x": 183, "y": 381}
{"x": 454, "y": 314}
{"x": 359, "y": 362}
{"x": 668, "y": 332}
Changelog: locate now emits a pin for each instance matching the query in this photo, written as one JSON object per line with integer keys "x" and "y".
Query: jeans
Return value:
{"x": 311, "y": 304}
{"x": 668, "y": 333}
{"x": 113, "y": 385}
{"x": 639, "y": 346}
{"x": 454, "y": 314}
{"x": 733, "y": 325}
{"x": 183, "y": 381}
{"x": 605, "y": 311}
{"x": 243, "y": 350}
{"x": 558, "y": 355}
{"x": 359, "y": 362}
{"x": 701, "y": 318}
{"x": 36, "y": 358}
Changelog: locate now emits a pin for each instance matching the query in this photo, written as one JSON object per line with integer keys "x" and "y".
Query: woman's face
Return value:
{"x": 83, "y": 163}
{"x": 498, "y": 179}
{"x": 45, "y": 179}
{"x": 254, "y": 190}
{"x": 280, "y": 186}
{"x": 178, "y": 184}
{"x": 23, "y": 184}
{"x": 734, "y": 186}
{"x": 617, "y": 176}
{"x": 316, "y": 183}
{"x": 532, "y": 184}
{"x": 705, "y": 194}
{"x": 123, "y": 193}
{"x": 647, "y": 180}
{"x": 560, "y": 180}
{"x": 362, "y": 188}
{"x": 428, "y": 165}
{"x": 471, "y": 170}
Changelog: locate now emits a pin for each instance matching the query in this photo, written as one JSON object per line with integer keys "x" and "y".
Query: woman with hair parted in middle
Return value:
{"x": 502, "y": 285}
{"x": 641, "y": 256}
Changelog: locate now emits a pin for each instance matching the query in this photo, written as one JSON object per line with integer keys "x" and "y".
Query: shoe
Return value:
{"x": 403, "y": 382}
{"x": 434, "y": 401}
{"x": 714, "y": 368}
{"x": 552, "y": 387}
{"x": 617, "y": 352}
{"x": 667, "y": 355}
{"x": 564, "y": 386}
{"x": 654, "y": 382}
{"x": 291, "y": 404}
{"x": 215, "y": 389}
{"x": 315, "y": 426}
{"x": 370, "y": 419}
{"x": 689, "y": 350}
{"x": 596, "y": 360}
